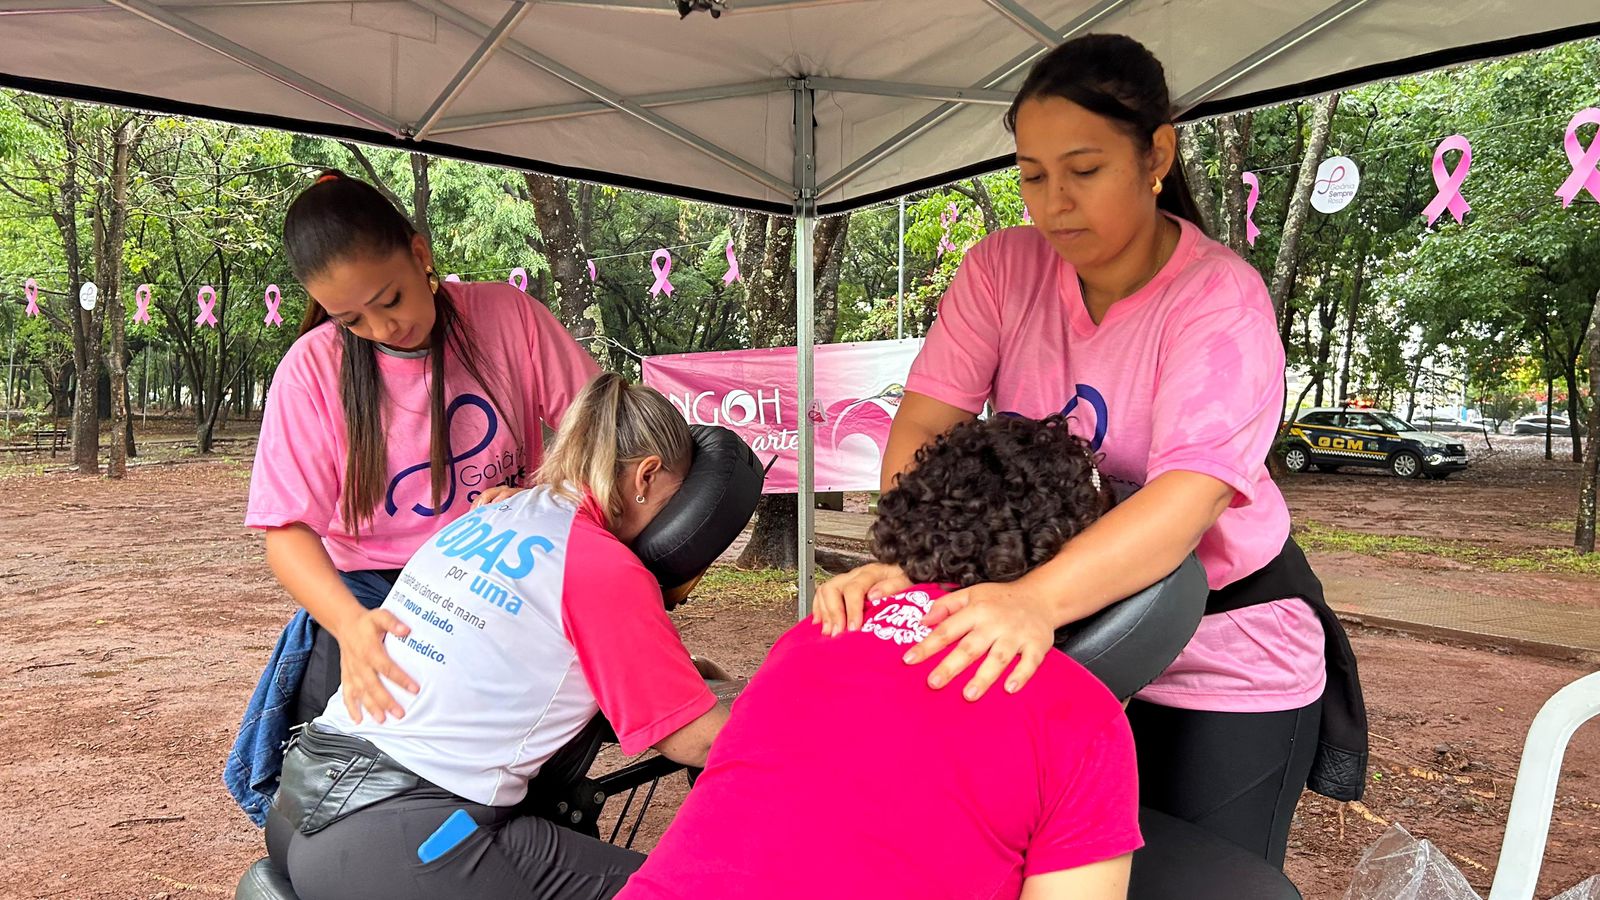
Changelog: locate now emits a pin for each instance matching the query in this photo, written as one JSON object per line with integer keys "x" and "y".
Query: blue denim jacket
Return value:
{"x": 251, "y": 773}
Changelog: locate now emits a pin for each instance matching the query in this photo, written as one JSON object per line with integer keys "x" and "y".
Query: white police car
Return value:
{"x": 1350, "y": 436}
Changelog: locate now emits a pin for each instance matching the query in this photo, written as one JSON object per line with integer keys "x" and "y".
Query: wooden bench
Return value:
{"x": 57, "y": 439}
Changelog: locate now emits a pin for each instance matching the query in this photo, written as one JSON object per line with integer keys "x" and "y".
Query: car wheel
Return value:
{"x": 1297, "y": 459}
{"x": 1327, "y": 467}
{"x": 1405, "y": 464}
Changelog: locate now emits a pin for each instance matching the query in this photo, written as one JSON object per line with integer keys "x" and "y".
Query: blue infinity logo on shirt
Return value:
{"x": 449, "y": 418}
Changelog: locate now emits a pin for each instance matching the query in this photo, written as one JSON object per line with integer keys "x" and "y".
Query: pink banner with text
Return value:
{"x": 752, "y": 392}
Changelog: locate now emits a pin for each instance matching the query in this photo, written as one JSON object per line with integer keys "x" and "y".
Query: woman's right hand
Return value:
{"x": 364, "y": 663}
{"x": 840, "y": 600}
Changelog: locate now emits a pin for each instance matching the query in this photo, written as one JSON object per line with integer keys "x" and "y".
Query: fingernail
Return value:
{"x": 971, "y": 693}
{"x": 1011, "y": 687}
{"x": 936, "y": 682}
{"x": 910, "y": 657}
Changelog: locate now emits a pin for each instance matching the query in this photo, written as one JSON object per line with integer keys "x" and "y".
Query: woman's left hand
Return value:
{"x": 997, "y": 623}
{"x": 498, "y": 492}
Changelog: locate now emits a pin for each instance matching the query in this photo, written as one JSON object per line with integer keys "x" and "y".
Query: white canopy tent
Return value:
{"x": 796, "y": 107}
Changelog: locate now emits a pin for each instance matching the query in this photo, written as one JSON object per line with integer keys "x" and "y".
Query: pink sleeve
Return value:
{"x": 561, "y": 367}
{"x": 958, "y": 361}
{"x": 295, "y": 477}
{"x": 1093, "y": 814}
{"x": 635, "y": 663}
{"x": 1219, "y": 393}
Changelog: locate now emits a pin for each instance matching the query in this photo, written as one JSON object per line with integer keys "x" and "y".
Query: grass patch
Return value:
{"x": 1320, "y": 537}
{"x": 750, "y": 587}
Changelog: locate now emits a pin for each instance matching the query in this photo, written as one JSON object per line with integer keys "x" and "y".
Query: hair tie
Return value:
{"x": 328, "y": 177}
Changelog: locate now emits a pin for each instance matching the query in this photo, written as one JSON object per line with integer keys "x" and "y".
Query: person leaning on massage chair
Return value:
{"x": 525, "y": 617}
{"x": 402, "y": 398}
{"x": 1162, "y": 348}
{"x": 840, "y": 775}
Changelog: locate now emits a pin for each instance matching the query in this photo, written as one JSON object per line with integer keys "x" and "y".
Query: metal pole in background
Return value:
{"x": 900, "y": 297}
{"x": 11, "y": 372}
{"x": 144, "y": 390}
{"x": 805, "y": 209}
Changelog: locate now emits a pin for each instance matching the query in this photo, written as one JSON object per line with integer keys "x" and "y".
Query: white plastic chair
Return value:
{"x": 1534, "y": 796}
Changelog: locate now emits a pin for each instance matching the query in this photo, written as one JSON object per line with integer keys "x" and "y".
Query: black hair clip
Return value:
{"x": 715, "y": 7}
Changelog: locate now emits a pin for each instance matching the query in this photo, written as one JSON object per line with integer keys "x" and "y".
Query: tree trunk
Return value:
{"x": 1294, "y": 219}
{"x": 421, "y": 194}
{"x": 1350, "y": 311}
{"x": 770, "y": 307}
{"x": 1192, "y": 156}
{"x": 1583, "y": 539}
{"x": 110, "y": 257}
{"x": 566, "y": 250}
{"x": 1234, "y": 132}
{"x": 829, "y": 244}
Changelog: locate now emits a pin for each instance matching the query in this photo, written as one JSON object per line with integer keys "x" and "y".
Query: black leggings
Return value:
{"x": 373, "y": 854}
{"x": 1237, "y": 775}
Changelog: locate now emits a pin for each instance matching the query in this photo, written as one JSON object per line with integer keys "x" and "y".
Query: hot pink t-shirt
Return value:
{"x": 1185, "y": 374}
{"x": 536, "y": 369}
{"x": 841, "y": 774}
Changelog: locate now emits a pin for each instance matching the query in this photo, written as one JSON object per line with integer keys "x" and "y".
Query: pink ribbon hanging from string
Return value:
{"x": 206, "y": 306}
{"x": 592, "y": 275}
{"x": 274, "y": 297}
{"x": 661, "y": 264}
{"x": 1027, "y": 217}
{"x": 732, "y": 274}
{"x": 1251, "y": 232}
{"x": 142, "y": 295}
{"x": 519, "y": 277}
{"x": 948, "y": 219}
{"x": 1449, "y": 183}
{"x": 1585, "y": 176}
{"x": 453, "y": 278}
{"x": 30, "y": 289}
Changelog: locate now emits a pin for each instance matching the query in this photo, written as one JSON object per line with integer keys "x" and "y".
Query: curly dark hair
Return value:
{"x": 988, "y": 501}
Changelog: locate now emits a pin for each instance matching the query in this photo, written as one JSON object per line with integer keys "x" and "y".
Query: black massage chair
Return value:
{"x": 1126, "y": 646}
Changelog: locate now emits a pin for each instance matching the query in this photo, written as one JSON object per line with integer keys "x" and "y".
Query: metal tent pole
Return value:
{"x": 805, "y": 212}
{"x": 900, "y": 295}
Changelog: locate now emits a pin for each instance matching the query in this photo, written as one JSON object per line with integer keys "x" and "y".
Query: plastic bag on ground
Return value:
{"x": 1588, "y": 890}
{"x": 1400, "y": 867}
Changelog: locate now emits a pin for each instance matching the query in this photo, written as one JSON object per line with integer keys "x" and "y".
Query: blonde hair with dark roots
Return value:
{"x": 611, "y": 425}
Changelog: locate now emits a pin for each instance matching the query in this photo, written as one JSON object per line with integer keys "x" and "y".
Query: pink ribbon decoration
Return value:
{"x": 206, "y": 306}
{"x": 1027, "y": 217}
{"x": 592, "y": 275}
{"x": 142, "y": 314}
{"x": 1585, "y": 176}
{"x": 733, "y": 267}
{"x": 1449, "y": 183}
{"x": 30, "y": 289}
{"x": 661, "y": 264}
{"x": 273, "y": 298}
{"x": 948, "y": 219}
{"x": 452, "y": 278}
{"x": 519, "y": 277}
{"x": 1251, "y": 232}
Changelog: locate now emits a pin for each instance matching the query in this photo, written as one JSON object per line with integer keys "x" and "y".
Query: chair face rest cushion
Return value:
{"x": 1181, "y": 861}
{"x": 1126, "y": 645}
{"x": 263, "y": 881}
{"x": 717, "y": 499}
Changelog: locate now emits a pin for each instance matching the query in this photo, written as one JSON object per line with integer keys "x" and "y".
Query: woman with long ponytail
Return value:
{"x": 404, "y": 398}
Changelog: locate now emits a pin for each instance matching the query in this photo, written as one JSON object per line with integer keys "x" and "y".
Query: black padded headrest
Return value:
{"x": 1127, "y": 644}
{"x": 718, "y": 497}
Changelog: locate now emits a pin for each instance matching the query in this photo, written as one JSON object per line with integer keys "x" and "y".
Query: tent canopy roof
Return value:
{"x": 906, "y": 93}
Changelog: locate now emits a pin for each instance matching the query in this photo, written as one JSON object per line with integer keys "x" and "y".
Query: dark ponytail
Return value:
{"x": 336, "y": 219}
{"x": 1114, "y": 76}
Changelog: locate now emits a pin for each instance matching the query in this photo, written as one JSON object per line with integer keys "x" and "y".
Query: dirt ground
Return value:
{"x": 138, "y": 615}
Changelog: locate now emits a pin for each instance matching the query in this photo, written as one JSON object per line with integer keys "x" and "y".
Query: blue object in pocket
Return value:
{"x": 455, "y": 829}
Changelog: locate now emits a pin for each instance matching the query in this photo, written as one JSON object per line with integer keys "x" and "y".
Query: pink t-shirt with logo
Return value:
{"x": 841, "y": 774}
{"x": 1186, "y": 374}
{"x": 535, "y": 368}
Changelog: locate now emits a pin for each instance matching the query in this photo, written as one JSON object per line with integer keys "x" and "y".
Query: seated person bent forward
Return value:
{"x": 526, "y": 617}
{"x": 841, "y": 774}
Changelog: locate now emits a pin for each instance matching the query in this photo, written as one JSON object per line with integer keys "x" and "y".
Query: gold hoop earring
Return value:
{"x": 639, "y": 499}
{"x": 1156, "y": 188}
{"x": 433, "y": 280}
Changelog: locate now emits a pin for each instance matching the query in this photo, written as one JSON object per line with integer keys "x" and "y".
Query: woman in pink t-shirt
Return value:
{"x": 403, "y": 400}
{"x": 1162, "y": 348}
